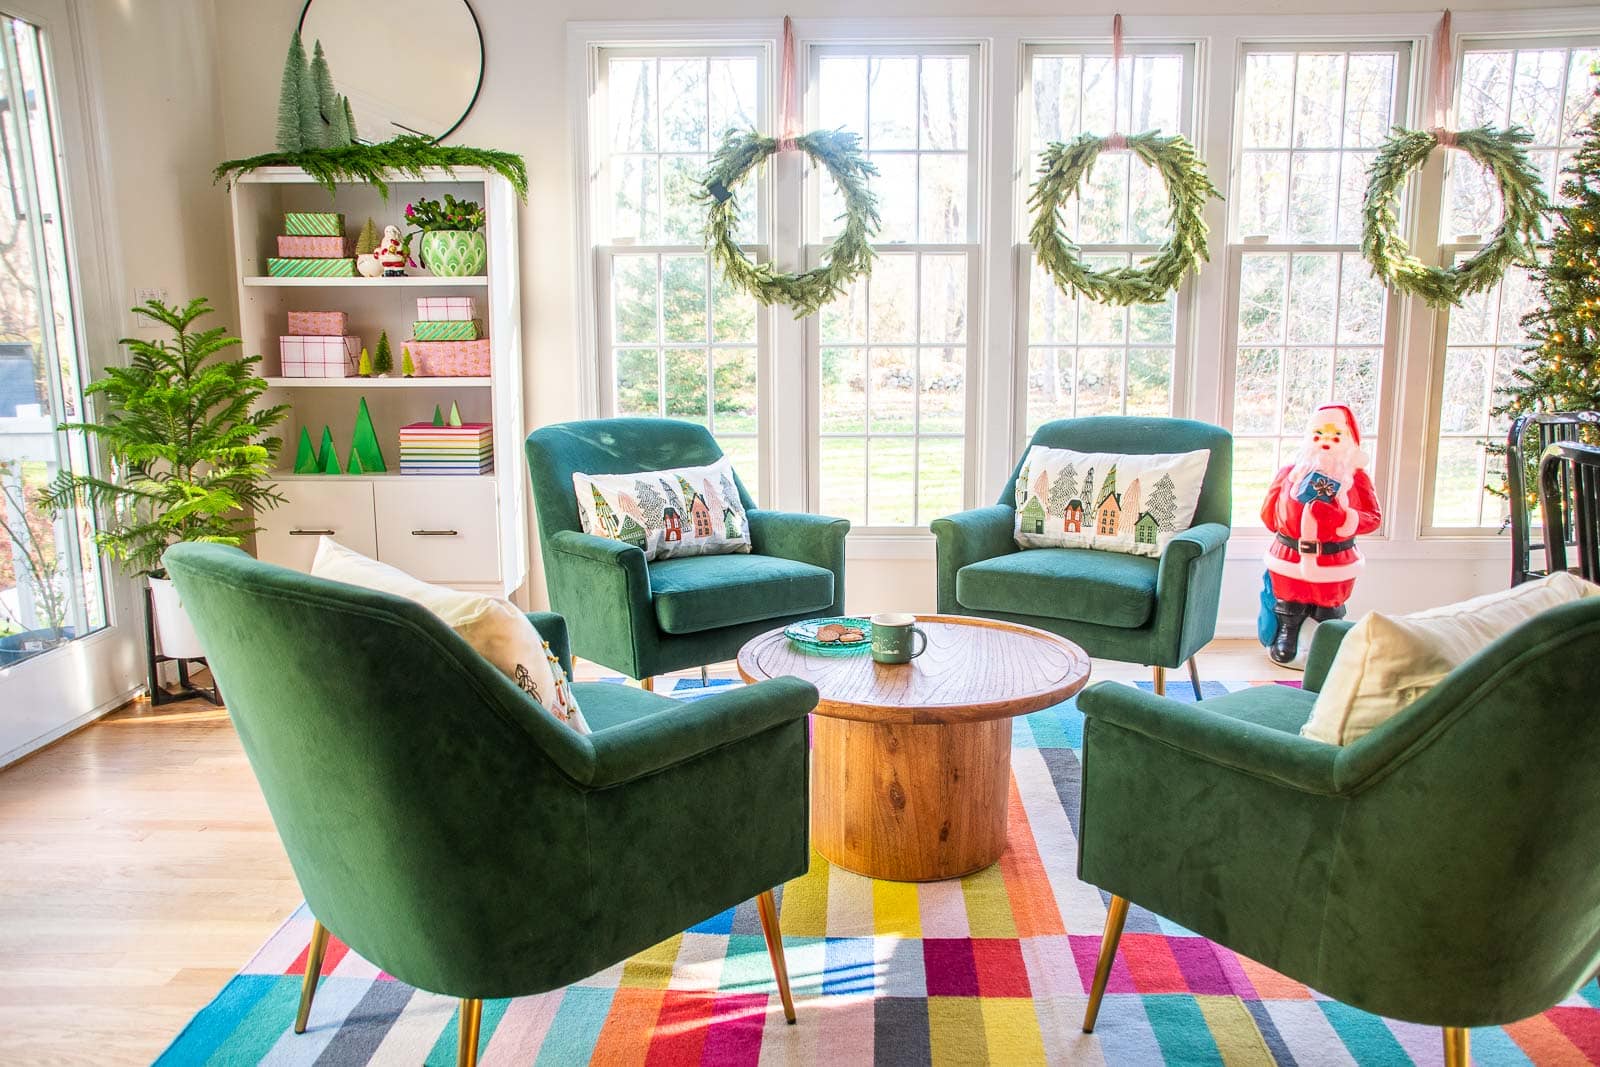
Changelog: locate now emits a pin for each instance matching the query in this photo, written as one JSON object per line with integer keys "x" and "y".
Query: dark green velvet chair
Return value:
{"x": 455, "y": 834}
{"x": 645, "y": 619}
{"x": 1135, "y": 609}
{"x": 1440, "y": 870}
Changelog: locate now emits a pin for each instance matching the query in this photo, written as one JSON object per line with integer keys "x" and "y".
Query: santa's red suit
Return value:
{"x": 1317, "y": 506}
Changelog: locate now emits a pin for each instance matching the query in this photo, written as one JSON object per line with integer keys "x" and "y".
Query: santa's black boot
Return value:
{"x": 1322, "y": 614}
{"x": 1286, "y": 641}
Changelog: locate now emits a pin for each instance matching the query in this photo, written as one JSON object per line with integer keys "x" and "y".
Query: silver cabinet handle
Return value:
{"x": 310, "y": 533}
{"x": 434, "y": 533}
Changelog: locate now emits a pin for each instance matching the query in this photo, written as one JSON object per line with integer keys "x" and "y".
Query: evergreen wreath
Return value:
{"x": 850, "y": 255}
{"x": 1188, "y": 188}
{"x": 1502, "y": 153}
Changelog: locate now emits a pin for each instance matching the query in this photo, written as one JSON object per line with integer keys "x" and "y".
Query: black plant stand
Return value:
{"x": 187, "y": 690}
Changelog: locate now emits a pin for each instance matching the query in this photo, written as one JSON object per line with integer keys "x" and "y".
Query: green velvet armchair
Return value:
{"x": 1440, "y": 870}
{"x": 645, "y": 619}
{"x": 1135, "y": 609}
{"x": 455, "y": 834}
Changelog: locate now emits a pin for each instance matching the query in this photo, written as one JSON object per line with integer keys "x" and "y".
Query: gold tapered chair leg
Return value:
{"x": 1158, "y": 675}
{"x": 767, "y": 906}
{"x": 1457, "y": 1046}
{"x": 648, "y": 684}
{"x": 467, "y": 1040}
{"x": 308, "y": 985}
{"x": 1194, "y": 678}
{"x": 1116, "y": 915}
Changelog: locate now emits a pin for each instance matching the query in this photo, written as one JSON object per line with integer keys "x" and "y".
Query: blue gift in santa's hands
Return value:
{"x": 1316, "y": 486}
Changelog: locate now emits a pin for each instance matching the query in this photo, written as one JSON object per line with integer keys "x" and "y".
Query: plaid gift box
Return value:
{"x": 450, "y": 359}
{"x": 318, "y": 323}
{"x": 311, "y": 268}
{"x": 313, "y": 224}
{"x": 318, "y": 357}
{"x": 445, "y": 330}
{"x": 444, "y": 308}
{"x": 300, "y": 247}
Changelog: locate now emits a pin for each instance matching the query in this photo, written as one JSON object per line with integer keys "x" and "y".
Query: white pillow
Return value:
{"x": 1133, "y": 504}
{"x": 686, "y": 511}
{"x": 1386, "y": 662}
{"x": 491, "y": 625}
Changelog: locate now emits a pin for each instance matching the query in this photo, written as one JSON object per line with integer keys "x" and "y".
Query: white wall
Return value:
{"x": 525, "y": 108}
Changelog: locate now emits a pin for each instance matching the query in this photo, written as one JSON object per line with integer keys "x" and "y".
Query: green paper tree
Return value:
{"x": 350, "y": 120}
{"x": 327, "y": 95}
{"x": 438, "y": 416}
{"x": 364, "y": 447}
{"x": 354, "y": 467}
{"x": 305, "y": 460}
{"x": 408, "y": 369}
{"x": 310, "y": 117}
{"x": 364, "y": 364}
{"x": 294, "y": 66}
{"x": 455, "y": 415}
{"x": 1560, "y": 370}
{"x": 327, "y": 458}
{"x": 383, "y": 357}
{"x": 367, "y": 239}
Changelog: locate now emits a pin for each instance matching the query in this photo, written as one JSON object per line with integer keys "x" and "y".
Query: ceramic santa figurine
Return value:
{"x": 392, "y": 253}
{"x": 1316, "y": 507}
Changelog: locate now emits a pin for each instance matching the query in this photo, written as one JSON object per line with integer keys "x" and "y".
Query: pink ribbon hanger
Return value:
{"x": 788, "y": 123}
{"x": 1443, "y": 79}
{"x": 1116, "y": 142}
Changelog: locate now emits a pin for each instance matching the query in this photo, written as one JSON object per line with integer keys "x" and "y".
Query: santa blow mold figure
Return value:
{"x": 1317, "y": 506}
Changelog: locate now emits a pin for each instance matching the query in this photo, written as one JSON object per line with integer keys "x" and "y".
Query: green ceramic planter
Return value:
{"x": 455, "y": 253}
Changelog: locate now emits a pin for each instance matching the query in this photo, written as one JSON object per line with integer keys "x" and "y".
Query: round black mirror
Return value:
{"x": 406, "y": 66}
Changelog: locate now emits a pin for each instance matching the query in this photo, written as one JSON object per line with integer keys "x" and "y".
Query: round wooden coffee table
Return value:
{"x": 911, "y": 763}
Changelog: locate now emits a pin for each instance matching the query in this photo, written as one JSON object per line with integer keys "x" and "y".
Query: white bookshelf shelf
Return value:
{"x": 381, "y": 383}
{"x": 419, "y": 280}
{"x": 384, "y": 476}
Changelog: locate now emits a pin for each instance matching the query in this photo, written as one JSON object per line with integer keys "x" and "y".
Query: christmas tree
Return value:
{"x": 310, "y": 117}
{"x": 364, "y": 365}
{"x": 327, "y": 96}
{"x": 367, "y": 239}
{"x": 1561, "y": 362}
{"x": 382, "y": 356}
{"x": 294, "y": 70}
{"x": 339, "y": 126}
{"x": 350, "y": 119}
{"x": 408, "y": 368}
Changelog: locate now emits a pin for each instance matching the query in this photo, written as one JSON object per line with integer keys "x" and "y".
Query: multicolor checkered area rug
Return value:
{"x": 993, "y": 968}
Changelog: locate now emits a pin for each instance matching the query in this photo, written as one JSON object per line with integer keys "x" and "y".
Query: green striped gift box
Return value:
{"x": 310, "y": 268}
{"x": 313, "y": 224}
{"x": 445, "y": 330}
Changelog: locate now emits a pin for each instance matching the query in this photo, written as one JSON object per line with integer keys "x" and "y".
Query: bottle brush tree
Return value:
{"x": 294, "y": 68}
{"x": 367, "y": 239}
{"x": 1561, "y": 361}
{"x": 190, "y": 450}
{"x": 383, "y": 356}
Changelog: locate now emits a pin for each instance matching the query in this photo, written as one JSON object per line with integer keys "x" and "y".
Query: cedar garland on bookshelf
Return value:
{"x": 407, "y": 154}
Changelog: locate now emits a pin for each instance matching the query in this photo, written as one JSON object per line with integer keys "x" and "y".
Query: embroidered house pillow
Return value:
{"x": 687, "y": 511}
{"x": 1115, "y": 503}
{"x": 493, "y": 626}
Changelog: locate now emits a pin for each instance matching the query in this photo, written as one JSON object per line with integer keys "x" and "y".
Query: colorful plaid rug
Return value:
{"x": 993, "y": 968}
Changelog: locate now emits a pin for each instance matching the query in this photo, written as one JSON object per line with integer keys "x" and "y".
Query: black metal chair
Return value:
{"x": 1540, "y": 430}
{"x": 1569, "y": 504}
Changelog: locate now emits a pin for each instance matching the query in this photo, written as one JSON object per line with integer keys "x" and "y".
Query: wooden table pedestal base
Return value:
{"x": 910, "y": 802}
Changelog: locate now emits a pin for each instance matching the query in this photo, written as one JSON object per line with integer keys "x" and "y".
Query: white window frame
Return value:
{"x": 597, "y": 202}
{"x": 1449, "y": 248}
{"x": 1404, "y": 90}
{"x": 973, "y": 250}
{"x": 1178, "y": 398}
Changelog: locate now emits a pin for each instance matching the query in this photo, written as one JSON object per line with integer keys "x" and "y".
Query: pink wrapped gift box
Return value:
{"x": 444, "y": 308}
{"x": 318, "y": 323}
{"x": 318, "y": 357}
{"x": 295, "y": 246}
{"x": 450, "y": 359}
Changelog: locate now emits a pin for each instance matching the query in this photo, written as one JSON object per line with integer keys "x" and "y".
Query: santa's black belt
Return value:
{"x": 1317, "y": 548}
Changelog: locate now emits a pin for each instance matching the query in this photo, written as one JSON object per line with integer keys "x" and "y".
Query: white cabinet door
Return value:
{"x": 340, "y": 508}
{"x": 439, "y": 529}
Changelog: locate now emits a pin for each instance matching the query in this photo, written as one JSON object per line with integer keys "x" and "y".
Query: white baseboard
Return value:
{"x": 29, "y": 747}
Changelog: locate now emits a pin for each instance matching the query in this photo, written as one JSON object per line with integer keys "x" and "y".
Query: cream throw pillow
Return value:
{"x": 1386, "y": 662}
{"x": 491, "y": 625}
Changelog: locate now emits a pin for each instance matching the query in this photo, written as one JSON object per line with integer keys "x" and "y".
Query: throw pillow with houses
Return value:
{"x": 686, "y": 511}
{"x": 1116, "y": 503}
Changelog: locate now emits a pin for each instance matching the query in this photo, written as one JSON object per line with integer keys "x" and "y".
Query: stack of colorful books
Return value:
{"x": 435, "y": 448}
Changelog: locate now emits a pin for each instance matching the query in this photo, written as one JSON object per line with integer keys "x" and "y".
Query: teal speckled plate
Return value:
{"x": 804, "y": 634}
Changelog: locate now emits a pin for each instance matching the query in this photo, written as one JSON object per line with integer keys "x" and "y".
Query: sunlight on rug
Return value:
{"x": 993, "y": 968}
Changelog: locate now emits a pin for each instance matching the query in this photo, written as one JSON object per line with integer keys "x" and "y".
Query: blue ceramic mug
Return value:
{"x": 893, "y": 635}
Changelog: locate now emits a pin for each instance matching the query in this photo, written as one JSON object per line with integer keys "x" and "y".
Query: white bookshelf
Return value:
{"x": 467, "y": 531}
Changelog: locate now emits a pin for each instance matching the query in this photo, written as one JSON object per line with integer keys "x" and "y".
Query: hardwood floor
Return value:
{"x": 139, "y": 870}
